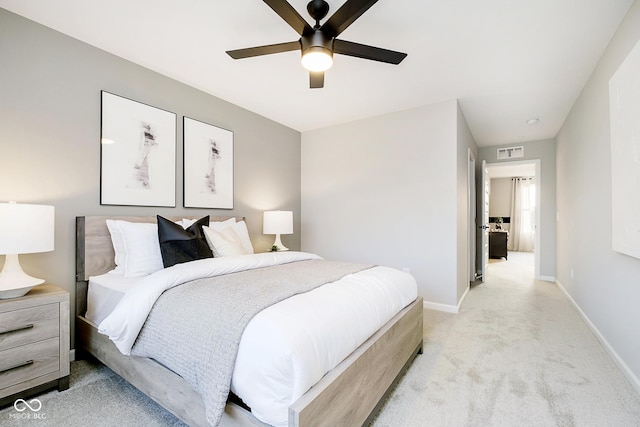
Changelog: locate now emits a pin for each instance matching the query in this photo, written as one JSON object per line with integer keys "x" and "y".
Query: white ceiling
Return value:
{"x": 506, "y": 61}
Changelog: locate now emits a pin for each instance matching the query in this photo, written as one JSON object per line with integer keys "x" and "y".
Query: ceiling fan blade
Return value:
{"x": 349, "y": 12}
{"x": 368, "y": 52}
{"x": 290, "y": 15}
{"x": 316, "y": 79}
{"x": 264, "y": 50}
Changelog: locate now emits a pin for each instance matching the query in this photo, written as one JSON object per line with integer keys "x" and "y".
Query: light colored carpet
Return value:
{"x": 97, "y": 397}
{"x": 517, "y": 354}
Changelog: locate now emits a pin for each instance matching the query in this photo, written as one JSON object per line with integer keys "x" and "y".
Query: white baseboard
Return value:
{"x": 464, "y": 296}
{"x": 447, "y": 308}
{"x": 440, "y": 307}
{"x": 72, "y": 355}
{"x": 547, "y": 278}
{"x": 633, "y": 379}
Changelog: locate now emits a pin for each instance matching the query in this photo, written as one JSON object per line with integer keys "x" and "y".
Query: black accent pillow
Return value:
{"x": 178, "y": 245}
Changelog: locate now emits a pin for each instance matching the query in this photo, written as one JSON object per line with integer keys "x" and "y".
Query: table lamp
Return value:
{"x": 278, "y": 222}
{"x": 24, "y": 229}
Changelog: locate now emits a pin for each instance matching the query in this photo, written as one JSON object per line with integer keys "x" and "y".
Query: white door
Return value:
{"x": 484, "y": 225}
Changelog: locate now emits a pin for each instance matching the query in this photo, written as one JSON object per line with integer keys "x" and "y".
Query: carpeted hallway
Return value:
{"x": 517, "y": 354}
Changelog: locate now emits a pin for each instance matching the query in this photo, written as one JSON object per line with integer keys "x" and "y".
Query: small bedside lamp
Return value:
{"x": 278, "y": 222}
{"x": 24, "y": 229}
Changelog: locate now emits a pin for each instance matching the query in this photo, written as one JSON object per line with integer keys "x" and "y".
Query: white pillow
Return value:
{"x": 240, "y": 228}
{"x": 142, "y": 249}
{"x": 216, "y": 225}
{"x": 224, "y": 243}
{"x": 118, "y": 245}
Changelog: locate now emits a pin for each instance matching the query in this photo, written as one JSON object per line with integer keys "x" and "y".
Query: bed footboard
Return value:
{"x": 351, "y": 394}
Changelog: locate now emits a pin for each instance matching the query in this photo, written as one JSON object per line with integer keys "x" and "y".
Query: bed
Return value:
{"x": 364, "y": 376}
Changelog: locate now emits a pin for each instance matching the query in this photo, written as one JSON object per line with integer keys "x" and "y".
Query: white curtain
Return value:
{"x": 523, "y": 203}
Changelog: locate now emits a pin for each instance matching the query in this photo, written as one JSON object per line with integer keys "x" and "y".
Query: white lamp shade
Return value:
{"x": 277, "y": 222}
{"x": 26, "y": 228}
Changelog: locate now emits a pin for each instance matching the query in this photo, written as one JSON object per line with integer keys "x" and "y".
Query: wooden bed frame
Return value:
{"x": 349, "y": 395}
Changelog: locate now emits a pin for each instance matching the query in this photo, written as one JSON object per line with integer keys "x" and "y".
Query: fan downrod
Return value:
{"x": 318, "y": 9}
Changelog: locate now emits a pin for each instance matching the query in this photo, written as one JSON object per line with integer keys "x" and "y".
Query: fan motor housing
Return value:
{"x": 317, "y": 40}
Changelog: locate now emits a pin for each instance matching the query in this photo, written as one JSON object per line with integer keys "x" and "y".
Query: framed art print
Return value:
{"x": 208, "y": 166}
{"x": 137, "y": 154}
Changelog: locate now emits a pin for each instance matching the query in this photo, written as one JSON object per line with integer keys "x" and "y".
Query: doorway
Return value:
{"x": 507, "y": 171}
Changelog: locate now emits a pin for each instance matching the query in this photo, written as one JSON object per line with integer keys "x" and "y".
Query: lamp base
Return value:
{"x": 14, "y": 282}
{"x": 15, "y": 293}
{"x": 279, "y": 245}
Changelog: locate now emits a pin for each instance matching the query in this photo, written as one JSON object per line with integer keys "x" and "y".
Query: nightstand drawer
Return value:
{"x": 29, "y": 361}
{"x": 20, "y": 327}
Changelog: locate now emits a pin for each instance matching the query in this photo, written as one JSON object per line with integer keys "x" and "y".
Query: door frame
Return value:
{"x": 537, "y": 179}
{"x": 484, "y": 227}
{"x": 472, "y": 219}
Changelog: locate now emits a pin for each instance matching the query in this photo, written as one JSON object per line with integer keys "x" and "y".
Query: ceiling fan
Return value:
{"x": 319, "y": 43}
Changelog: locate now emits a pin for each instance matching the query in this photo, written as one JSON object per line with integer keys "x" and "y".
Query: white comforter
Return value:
{"x": 125, "y": 322}
{"x": 289, "y": 346}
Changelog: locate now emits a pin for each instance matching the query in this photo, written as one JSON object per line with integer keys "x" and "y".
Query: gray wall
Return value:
{"x": 545, "y": 151}
{"x": 385, "y": 190}
{"x": 603, "y": 283}
{"x": 50, "y": 131}
{"x": 500, "y": 199}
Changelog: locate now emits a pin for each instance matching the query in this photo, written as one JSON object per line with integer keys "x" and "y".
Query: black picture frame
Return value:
{"x": 208, "y": 165}
{"x": 137, "y": 153}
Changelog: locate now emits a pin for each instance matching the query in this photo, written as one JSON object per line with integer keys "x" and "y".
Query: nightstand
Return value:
{"x": 34, "y": 343}
{"x": 498, "y": 244}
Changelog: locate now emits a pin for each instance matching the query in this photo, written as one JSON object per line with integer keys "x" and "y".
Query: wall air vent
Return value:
{"x": 510, "y": 153}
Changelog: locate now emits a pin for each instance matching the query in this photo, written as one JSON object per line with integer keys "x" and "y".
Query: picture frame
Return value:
{"x": 137, "y": 153}
{"x": 208, "y": 165}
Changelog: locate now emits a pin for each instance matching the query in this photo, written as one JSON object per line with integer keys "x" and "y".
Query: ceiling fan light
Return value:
{"x": 317, "y": 58}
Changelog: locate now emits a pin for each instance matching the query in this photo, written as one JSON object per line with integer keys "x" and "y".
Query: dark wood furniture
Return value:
{"x": 34, "y": 343}
{"x": 498, "y": 244}
{"x": 366, "y": 376}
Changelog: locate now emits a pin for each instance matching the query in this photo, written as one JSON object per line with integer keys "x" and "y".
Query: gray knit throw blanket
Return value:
{"x": 194, "y": 329}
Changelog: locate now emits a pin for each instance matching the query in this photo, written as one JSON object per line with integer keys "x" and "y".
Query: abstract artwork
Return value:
{"x": 624, "y": 102}
{"x": 138, "y": 154}
{"x": 208, "y": 166}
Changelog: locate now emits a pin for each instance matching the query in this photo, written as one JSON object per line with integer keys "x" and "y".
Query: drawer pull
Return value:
{"x": 21, "y": 328}
{"x": 27, "y": 363}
